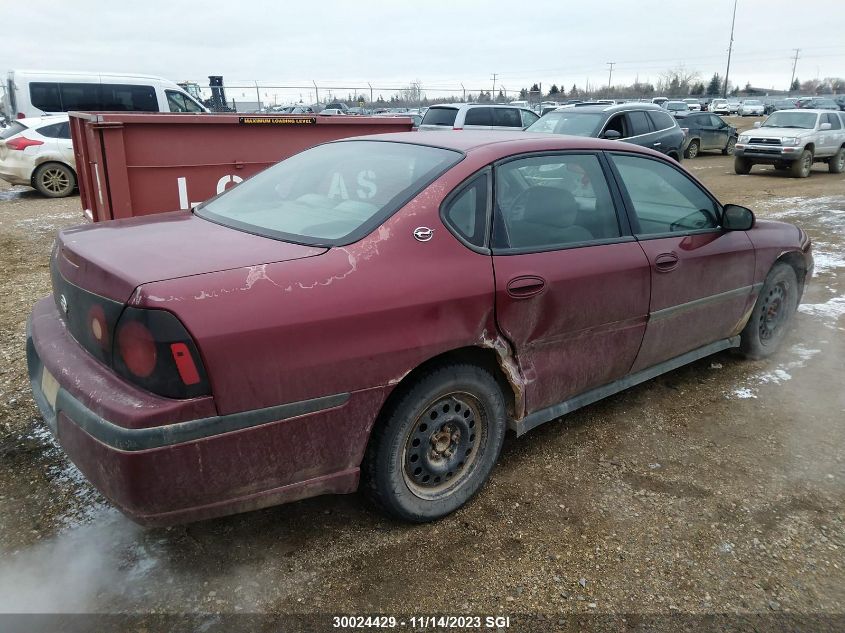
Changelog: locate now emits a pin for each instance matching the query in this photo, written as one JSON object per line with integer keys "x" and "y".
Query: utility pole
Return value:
{"x": 730, "y": 49}
{"x": 317, "y": 90}
{"x": 494, "y": 82}
{"x": 610, "y": 73}
{"x": 465, "y": 93}
{"x": 794, "y": 64}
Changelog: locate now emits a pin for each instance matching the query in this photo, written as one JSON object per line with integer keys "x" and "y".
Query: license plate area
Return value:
{"x": 50, "y": 388}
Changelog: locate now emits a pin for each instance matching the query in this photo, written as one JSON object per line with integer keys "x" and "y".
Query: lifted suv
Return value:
{"x": 642, "y": 124}
{"x": 794, "y": 140}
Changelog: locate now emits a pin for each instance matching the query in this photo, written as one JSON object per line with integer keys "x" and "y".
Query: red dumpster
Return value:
{"x": 144, "y": 163}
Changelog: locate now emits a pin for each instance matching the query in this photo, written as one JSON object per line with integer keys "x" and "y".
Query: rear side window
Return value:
{"x": 127, "y": 98}
{"x": 479, "y": 116}
{"x": 56, "y": 130}
{"x": 14, "y": 128}
{"x": 440, "y": 116}
{"x": 639, "y": 123}
{"x": 45, "y": 96}
{"x": 664, "y": 199}
{"x": 507, "y": 117}
{"x": 661, "y": 120}
{"x": 80, "y": 97}
{"x": 466, "y": 213}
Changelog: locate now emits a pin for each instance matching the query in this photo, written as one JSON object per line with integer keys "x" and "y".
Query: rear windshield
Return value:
{"x": 568, "y": 122}
{"x": 801, "y": 120}
{"x": 440, "y": 116}
{"x": 753, "y": 102}
{"x": 332, "y": 194}
{"x": 14, "y": 128}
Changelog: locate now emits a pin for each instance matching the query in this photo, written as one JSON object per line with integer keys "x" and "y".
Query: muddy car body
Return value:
{"x": 195, "y": 364}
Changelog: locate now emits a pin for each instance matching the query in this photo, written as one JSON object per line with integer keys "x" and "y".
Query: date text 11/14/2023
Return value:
{"x": 498, "y": 622}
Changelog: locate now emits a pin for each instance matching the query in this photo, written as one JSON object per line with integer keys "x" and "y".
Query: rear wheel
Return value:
{"x": 729, "y": 148}
{"x": 437, "y": 444}
{"x": 54, "y": 180}
{"x": 742, "y": 165}
{"x": 836, "y": 164}
{"x": 801, "y": 167}
{"x": 692, "y": 150}
{"x": 772, "y": 313}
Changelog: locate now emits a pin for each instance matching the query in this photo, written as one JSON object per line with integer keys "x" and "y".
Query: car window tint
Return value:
{"x": 833, "y": 119}
{"x": 528, "y": 118}
{"x": 638, "y": 122}
{"x": 51, "y": 131}
{"x": 80, "y": 96}
{"x": 478, "y": 116}
{"x": 440, "y": 116}
{"x": 664, "y": 199}
{"x": 617, "y": 122}
{"x": 14, "y": 128}
{"x": 661, "y": 120}
{"x": 466, "y": 213}
{"x": 128, "y": 98}
{"x": 716, "y": 121}
{"x": 45, "y": 96}
{"x": 506, "y": 117}
{"x": 178, "y": 102}
{"x": 546, "y": 202}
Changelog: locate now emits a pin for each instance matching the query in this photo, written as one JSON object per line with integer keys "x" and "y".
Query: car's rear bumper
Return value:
{"x": 165, "y": 461}
{"x": 15, "y": 172}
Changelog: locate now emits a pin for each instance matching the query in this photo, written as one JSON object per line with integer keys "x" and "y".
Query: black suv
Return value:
{"x": 643, "y": 124}
{"x": 705, "y": 131}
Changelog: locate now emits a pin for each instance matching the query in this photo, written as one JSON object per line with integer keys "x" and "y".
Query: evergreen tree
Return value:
{"x": 715, "y": 85}
{"x": 796, "y": 85}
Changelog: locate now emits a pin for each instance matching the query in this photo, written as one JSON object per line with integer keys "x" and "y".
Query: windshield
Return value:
{"x": 677, "y": 106}
{"x": 331, "y": 194}
{"x": 802, "y": 120}
{"x": 568, "y": 122}
{"x": 753, "y": 102}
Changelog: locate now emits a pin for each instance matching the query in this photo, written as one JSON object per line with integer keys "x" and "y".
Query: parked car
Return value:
{"x": 793, "y": 140}
{"x": 750, "y": 107}
{"x": 642, "y": 124}
{"x": 840, "y": 101}
{"x": 38, "y": 153}
{"x": 733, "y": 106}
{"x": 659, "y": 100}
{"x": 472, "y": 116}
{"x": 676, "y": 107}
{"x": 719, "y": 106}
{"x": 337, "y": 105}
{"x": 332, "y": 112}
{"x": 705, "y": 131}
{"x": 817, "y": 103}
{"x": 780, "y": 104}
{"x": 32, "y": 93}
{"x": 694, "y": 104}
{"x": 605, "y": 264}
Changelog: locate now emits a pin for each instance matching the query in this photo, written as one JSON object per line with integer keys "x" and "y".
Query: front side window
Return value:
{"x": 330, "y": 194}
{"x": 549, "y": 202}
{"x": 528, "y": 117}
{"x": 178, "y": 102}
{"x": 664, "y": 199}
{"x": 833, "y": 119}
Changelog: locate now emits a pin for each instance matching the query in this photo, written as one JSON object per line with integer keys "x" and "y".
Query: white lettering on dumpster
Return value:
{"x": 225, "y": 180}
{"x": 182, "y": 186}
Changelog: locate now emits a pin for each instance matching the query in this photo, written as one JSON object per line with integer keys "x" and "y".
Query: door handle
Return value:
{"x": 666, "y": 262}
{"x": 658, "y": 144}
{"x": 526, "y": 286}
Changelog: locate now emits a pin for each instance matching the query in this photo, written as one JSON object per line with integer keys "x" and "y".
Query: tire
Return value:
{"x": 729, "y": 148}
{"x": 836, "y": 164}
{"x": 408, "y": 454}
{"x": 742, "y": 166}
{"x": 772, "y": 313}
{"x": 54, "y": 180}
{"x": 692, "y": 150}
{"x": 801, "y": 167}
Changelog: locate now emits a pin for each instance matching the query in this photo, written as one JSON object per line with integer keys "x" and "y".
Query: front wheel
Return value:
{"x": 801, "y": 167}
{"x": 836, "y": 164}
{"x": 729, "y": 148}
{"x": 772, "y": 313}
{"x": 437, "y": 444}
{"x": 742, "y": 165}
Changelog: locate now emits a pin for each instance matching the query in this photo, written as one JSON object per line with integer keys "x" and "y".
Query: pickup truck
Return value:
{"x": 793, "y": 140}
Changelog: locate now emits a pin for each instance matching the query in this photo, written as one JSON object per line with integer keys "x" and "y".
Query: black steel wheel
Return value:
{"x": 54, "y": 180}
{"x": 772, "y": 313}
{"x": 436, "y": 443}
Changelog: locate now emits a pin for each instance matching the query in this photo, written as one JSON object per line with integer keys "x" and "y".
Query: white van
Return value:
{"x": 34, "y": 93}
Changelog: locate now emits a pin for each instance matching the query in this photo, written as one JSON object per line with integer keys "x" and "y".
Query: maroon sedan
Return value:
{"x": 383, "y": 309}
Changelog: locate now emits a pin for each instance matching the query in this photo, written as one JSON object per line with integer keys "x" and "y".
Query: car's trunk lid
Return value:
{"x": 111, "y": 259}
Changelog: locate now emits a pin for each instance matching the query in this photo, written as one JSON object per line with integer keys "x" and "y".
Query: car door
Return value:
{"x": 572, "y": 284}
{"x": 701, "y": 275}
{"x": 721, "y": 132}
{"x": 833, "y": 138}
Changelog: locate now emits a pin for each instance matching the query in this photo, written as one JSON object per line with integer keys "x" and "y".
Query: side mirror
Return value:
{"x": 757, "y": 123}
{"x": 611, "y": 135}
{"x": 824, "y": 127}
{"x": 737, "y": 218}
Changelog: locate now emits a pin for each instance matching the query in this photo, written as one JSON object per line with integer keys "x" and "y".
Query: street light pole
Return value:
{"x": 730, "y": 49}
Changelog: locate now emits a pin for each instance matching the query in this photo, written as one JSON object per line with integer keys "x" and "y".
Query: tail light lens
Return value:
{"x": 21, "y": 115}
{"x": 21, "y": 143}
{"x": 154, "y": 350}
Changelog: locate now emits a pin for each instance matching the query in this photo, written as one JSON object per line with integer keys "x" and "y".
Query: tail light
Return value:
{"x": 21, "y": 115}
{"x": 457, "y": 128}
{"x": 21, "y": 143}
{"x": 154, "y": 350}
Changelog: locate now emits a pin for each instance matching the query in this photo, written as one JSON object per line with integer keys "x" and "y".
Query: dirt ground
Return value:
{"x": 717, "y": 488}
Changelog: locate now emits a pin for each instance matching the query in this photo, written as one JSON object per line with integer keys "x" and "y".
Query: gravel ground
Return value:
{"x": 715, "y": 489}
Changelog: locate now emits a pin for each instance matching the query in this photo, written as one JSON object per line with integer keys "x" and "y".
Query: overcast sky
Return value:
{"x": 440, "y": 43}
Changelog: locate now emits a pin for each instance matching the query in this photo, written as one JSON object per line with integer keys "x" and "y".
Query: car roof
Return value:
{"x": 507, "y": 142}
{"x": 483, "y": 105}
{"x": 39, "y": 121}
{"x": 617, "y": 107}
